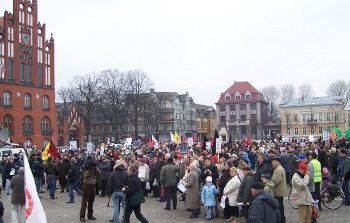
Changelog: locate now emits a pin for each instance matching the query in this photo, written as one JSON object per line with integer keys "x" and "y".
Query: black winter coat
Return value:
{"x": 73, "y": 173}
{"x": 117, "y": 179}
{"x": 63, "y": 169}
{"x": 263, "y": 168}
{"x": 264, "y": 209}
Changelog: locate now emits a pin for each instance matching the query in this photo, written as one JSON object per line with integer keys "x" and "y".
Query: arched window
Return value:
{"x": 27, "y": 100}
{"x": 45, "y": 102}
{"x": 8, "y": 122}
{"x": 27, "y": 143}
{"x": 45, "y": 125}
{"x": 7, "y": 98}
{"x": 45, "y": 142}
{"x": 28, "y": 125}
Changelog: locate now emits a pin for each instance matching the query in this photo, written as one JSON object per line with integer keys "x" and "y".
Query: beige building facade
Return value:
{"x": 312, "y": 116}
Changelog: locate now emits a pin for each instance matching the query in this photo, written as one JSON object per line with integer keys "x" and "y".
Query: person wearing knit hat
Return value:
{"x": 301, "y": 194}
{"x": 208, "y": 197}
{"x": 259, "y": 210}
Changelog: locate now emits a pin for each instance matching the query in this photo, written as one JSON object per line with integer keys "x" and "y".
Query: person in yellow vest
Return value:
{"x": 317, "y": 174}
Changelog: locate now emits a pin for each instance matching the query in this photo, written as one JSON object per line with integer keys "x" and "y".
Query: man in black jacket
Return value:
{"x": 73, "y": 178}
{"x": 117, "y": 180}
{"x": 105, "y": 168}
{"x": 38, "y": 172}
{"x": 210, "y": 170}
{"x": 134, "y": 196}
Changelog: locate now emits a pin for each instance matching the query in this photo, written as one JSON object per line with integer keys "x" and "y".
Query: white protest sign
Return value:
{"x": 73, "y": 145}
{"x": 311, "y": 138}
{"x": 89, "y": 147}
{"x": 218, "y": 145}
{"x": 128, "y": 141}
{"x": 190, "y": 142}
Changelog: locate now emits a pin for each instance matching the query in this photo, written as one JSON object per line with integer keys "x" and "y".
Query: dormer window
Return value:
{"x": 227, "y": 97}
{"x": 248, "y": 95}
{"x": 237, "y": 96}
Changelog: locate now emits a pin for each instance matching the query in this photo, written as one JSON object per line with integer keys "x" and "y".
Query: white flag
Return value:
{"x": 154, "y": 140}
{"x": 34, "y": 210}
{"x": 172, "y": 137}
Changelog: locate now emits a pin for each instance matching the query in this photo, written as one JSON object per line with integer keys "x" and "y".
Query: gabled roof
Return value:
{"x": 241, "y": 87}
{"x": 206, "y": 108}
{"x": 313, "y": 101}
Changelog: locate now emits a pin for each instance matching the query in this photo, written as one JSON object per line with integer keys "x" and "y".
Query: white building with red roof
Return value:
{"x": 241, "y": 112}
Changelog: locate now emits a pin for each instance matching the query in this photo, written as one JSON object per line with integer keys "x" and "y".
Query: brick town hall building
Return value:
{"x": 27, "y": 72}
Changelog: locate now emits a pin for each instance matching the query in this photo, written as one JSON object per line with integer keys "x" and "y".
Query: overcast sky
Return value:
{"x": 202, "y": 46}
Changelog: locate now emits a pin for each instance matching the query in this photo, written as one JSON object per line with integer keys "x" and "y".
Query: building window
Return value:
{"x": 8, "y": 122}
{"x": 21, "y": 72}
{"x": 248, "y": 96}
{"x": 237, "y": 96}
{"x": 243, "y": 107}
{"x": 304, "y": 115}
{"x": 27, "y": 143}
{"x": 45, "y": 142}
{"x": 7, "y": 98}
{"x": 45, "y": 102}
{"x": 222, "y": 108}
{"x": 227, "y": 98}
{"x": 45, "y": 125}
{"x": 29, "y": 73}
{"x": 233, "y": 118}
{"x": 253, "y": 106}
{"x": 319, "y": 116}
{"x": 222, "y": 119}
{"x": 320, "y": 130}
{"x": 288, "y": 118}
{"x": 296, "y": 118}
{"x": 296, "y": 131}
{"x": 253, "y": 118}
{"x": 27, "y": 101}
{"x": 312, "y": 130}
{"x": 28, "y": 125}
{"x": 10, "y": 69}
{"x": 328, "y": 117}
{"x": 336, "y": 116}
{"x": 288, "y": 130}
{"x": 40, "y": 76}
{"x": 232, "y": 108}
{"x": 304, "y": 130}
{"x": 243, "y": 117}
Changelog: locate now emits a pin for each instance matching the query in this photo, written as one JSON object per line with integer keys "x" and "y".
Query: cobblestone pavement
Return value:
{"x": 59, "y": 211}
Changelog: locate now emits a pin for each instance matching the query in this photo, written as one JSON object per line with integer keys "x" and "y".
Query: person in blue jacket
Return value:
{"x": 208, "y": 197}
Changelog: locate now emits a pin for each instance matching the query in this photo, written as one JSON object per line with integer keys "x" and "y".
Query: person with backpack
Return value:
{"x": 51, "y": 170}
{"x": 208, "y": 197}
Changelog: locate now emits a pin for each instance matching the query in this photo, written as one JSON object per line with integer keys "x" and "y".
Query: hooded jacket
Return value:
{"x": 264, "y": 209}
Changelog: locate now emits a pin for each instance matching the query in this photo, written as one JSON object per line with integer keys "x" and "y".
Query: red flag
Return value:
{"x": 53, "y": 150}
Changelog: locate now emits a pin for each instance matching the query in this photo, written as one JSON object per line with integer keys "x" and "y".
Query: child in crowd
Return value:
{"x": 208, "y": 197}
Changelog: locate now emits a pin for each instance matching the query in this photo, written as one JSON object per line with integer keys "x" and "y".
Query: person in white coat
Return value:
{"x": 231, "y": 191}
{"x": 143, "y": 174}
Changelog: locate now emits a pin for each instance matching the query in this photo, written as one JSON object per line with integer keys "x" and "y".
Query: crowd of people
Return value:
{"x": 244, "y": 180}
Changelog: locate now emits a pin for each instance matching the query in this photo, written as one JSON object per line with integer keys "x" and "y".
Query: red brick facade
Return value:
{"x": 27, "y": 72}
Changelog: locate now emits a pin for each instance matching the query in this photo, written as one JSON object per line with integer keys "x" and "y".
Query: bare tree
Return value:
{"x": 138, "y": 84}
{"x": 84, "y": 93}
{"x": 337, "y": 88}
{"x": 112, "y": 101}
{"x": 287, "y": 92}
{"x": 271, "y": 95}
{"x": 305, "y": 90}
